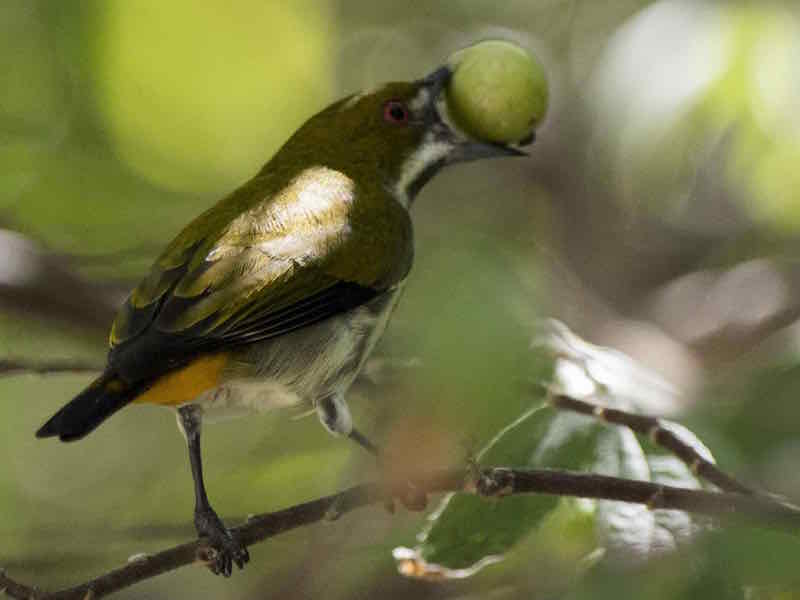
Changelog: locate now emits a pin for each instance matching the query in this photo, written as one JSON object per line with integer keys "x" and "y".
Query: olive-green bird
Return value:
{"x": 277, "y": 294}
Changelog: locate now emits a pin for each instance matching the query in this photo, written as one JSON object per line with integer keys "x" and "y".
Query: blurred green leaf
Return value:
{"x": 258, "y": 70}
{"x": 698, "y": 98}
{"x": 735, "y": 563}
{"x": 633, "y": 531}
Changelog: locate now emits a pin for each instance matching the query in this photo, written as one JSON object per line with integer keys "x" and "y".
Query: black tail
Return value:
{"x": 105, "y": 396}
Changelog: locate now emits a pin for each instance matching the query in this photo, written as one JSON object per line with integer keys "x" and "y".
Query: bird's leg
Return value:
{"x": 228, "y": 548}
{"x": 335, "y": 416}
{"x": 363, "y": 441}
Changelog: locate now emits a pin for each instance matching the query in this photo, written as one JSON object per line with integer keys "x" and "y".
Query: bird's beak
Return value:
{"x": 464, "y": 148}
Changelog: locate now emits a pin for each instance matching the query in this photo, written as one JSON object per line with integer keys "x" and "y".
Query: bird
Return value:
{"x": 277, "y": 294}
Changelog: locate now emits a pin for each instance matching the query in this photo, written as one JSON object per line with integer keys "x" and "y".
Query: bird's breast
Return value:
{"x": 302, "y": 366}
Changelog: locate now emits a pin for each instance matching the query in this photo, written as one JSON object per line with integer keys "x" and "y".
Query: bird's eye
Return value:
{"x": 396, "y": 112}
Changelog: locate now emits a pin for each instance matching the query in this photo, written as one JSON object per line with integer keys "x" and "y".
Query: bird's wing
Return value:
{"x": 303, "y": 256}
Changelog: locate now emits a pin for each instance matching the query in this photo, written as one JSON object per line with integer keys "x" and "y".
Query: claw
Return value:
{"x": 228, "y": 549}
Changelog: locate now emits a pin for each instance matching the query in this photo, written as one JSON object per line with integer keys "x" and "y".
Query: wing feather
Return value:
{"x": 264, "y": 273}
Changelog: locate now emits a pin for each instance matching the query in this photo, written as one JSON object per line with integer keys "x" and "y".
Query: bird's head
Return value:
{"x": 398, "y": 133}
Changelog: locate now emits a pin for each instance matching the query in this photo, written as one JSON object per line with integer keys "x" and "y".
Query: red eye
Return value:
{"x": 395, "y": 111}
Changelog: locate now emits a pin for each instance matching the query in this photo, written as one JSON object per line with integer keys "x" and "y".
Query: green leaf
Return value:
{"x": 633, "y": 531}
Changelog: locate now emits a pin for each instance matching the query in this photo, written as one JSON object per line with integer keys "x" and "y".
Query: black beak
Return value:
{"x": 465, "y": 149}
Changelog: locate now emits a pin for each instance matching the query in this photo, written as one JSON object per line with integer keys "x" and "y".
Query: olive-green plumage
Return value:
{"x": 376, "y": 252}
{"x": 215, "y": 263}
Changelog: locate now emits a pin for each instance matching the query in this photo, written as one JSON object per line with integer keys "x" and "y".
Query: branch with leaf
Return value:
{"x": 653, "y": 479}
{"x": 495, "y": 482}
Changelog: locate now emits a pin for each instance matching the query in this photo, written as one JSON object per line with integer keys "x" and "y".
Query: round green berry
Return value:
{"x": 498, "y": 91}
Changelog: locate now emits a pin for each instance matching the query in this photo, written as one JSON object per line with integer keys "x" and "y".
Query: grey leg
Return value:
{"x": 360, "y": 439}
{"x": 335, "y": 417}
{"x": 228, "y": 549}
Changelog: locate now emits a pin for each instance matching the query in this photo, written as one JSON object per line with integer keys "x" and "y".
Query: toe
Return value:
{"x": 241, "y": 557}
{"x": 228, "y": 550}
{"x": 225, "y": 566}
{"x": 228, "y": 566}
{"x": 215, "y": 564}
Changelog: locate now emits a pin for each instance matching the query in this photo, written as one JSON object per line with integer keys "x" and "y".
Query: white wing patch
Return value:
{"x": 306, "y": 221}
{"x": 319, "y": 193}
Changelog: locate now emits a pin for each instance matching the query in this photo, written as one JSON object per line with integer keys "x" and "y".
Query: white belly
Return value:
{"x": 302, "y": 366}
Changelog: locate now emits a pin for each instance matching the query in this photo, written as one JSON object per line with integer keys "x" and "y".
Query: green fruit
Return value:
{"x": 498, "y": 91}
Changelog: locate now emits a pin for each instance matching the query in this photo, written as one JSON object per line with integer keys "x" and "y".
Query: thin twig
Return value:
{"x": 14, "y": 589}
{"x": 756, "y": 510}
{"x": 496, "y": 482}
{"x": 656, "y": 431}
{"x": 42, "y": 284}
{"x": 10, "y": 366}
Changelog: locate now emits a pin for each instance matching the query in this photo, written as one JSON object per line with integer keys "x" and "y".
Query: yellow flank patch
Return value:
{"x": 184, "y": 385}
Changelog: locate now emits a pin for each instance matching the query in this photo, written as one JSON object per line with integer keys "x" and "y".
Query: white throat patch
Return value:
{"x": 430, "y": 152}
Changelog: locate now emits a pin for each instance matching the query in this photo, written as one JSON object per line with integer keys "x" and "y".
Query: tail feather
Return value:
{"x": 105, "y": 396}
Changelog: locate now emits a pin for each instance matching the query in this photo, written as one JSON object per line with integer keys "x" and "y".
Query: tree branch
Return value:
{"x": 10, "y": 366}
{"x": 490, "y": 482}
{"x": 655, "y": 429}
{"x": 40, "y": 283}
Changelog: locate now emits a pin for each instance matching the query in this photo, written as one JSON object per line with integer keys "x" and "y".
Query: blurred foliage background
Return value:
{"x": 659, "y": 213}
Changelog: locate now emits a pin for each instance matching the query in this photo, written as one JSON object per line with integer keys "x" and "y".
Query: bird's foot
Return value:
{"x": 226, "y": 547}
